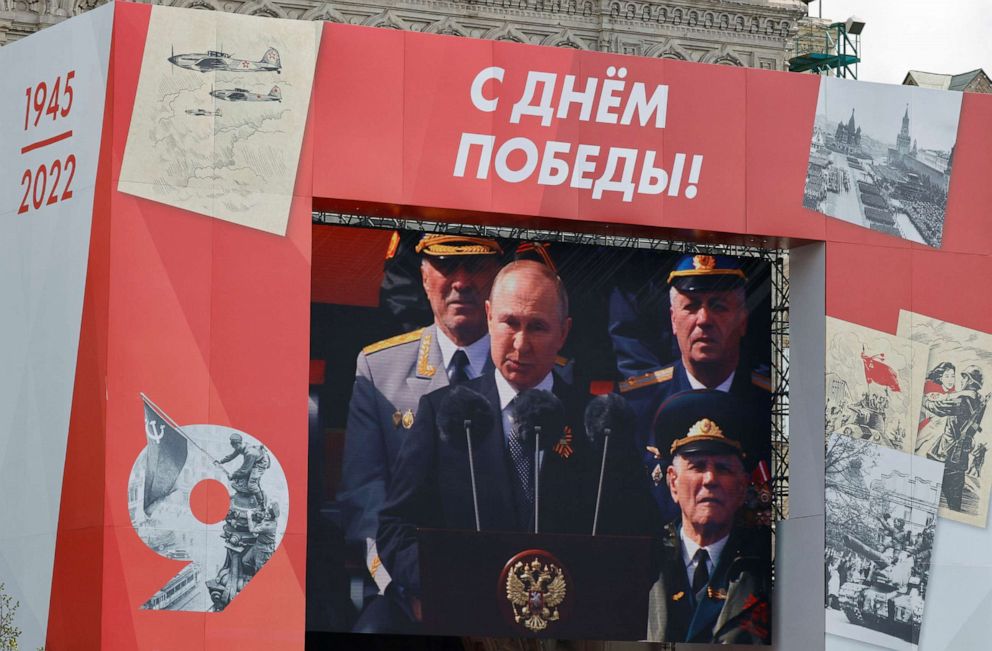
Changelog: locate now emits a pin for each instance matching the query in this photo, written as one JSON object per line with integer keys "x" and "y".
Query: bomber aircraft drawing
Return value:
{"x": 215, "y": 61}
{"x": 201, "y": 112}
{"x": 242, "y": 95}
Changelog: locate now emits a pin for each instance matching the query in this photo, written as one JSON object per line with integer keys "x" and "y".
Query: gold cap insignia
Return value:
{"x": 408, "y": 419}
{"x": 704, "y": 262}
{"x": 705, "y": 430}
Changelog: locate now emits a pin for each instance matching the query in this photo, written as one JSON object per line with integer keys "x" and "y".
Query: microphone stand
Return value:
{"x": 537, "y": 467}
{"x": 471, "y": 470}
{"x": 602, "y": 473}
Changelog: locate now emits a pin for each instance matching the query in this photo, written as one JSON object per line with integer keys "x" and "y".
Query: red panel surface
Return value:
{"x": 966, "y": 227}
{"x": 953, "y": 287}
{"x": 868, "y": 285}
{"x": 435, "y": 115}
{"x": 342, "y": 252}
{"x": 358, "y": 105}
{"x": 706, "y": 115}
{"x": 779, "y": 126}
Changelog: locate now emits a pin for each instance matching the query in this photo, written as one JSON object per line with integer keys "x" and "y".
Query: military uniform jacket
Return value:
{"x": 390, "y": 378}
{"x": 736, "y": 607}
{"x": 646, "y": 393}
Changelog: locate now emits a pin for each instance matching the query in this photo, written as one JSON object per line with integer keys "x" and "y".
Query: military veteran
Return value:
{"x": 714, "y": 585}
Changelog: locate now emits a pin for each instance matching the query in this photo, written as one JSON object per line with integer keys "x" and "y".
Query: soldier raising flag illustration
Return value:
{"x": 249, "y": 533}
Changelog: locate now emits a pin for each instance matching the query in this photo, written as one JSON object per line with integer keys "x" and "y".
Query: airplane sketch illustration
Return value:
{"x": 242, "y": 95}
{"x": 216, "y": 61}
{"x": 225, "y": 143}
{"x": 201, "y": 112}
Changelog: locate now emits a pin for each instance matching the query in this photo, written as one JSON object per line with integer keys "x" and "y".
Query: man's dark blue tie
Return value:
{"x": 701, "y": 577}
{"x": 459, "y": 368}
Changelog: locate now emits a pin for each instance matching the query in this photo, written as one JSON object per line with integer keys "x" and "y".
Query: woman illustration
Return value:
{"x": 940, "y": 382}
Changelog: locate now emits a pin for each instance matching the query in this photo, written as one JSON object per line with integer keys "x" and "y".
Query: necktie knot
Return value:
{"x": 701, "y": 577}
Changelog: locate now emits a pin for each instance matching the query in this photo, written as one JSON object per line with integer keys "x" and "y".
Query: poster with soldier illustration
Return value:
{"x": 954, "y": 426}
{"x": 874, "y": 382}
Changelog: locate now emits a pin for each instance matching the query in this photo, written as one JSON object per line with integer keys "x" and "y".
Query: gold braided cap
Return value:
{"x": 442, "y": 245}
{"x": 705, "y": 430}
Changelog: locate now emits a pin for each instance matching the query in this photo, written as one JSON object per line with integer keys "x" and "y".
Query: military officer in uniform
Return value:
{"x": 714, "y": 585}
{"x": 709, "y": 318}
{"x": 457, "y": 272}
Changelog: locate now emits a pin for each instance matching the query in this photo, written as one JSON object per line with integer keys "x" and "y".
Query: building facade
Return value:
{"x": 752, "y": 33}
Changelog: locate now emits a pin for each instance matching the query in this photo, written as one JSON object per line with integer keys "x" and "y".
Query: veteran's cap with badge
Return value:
{"x": 443, "y": 245}
{"x": 704, "y": 421}
{"x": 707, "y": 273}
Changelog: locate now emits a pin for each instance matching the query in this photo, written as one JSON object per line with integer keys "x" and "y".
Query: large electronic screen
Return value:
{"x": 522, "y": 438}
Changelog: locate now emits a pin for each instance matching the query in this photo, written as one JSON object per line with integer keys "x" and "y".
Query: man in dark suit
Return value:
{"x": 715, "y": 580}
{"x": 528, "y": 322}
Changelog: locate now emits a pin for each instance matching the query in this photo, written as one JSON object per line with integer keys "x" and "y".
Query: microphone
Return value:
{"x": 468, "y": 411}
{"x": 606, "y": 415}
{"x": 539, "y": 416}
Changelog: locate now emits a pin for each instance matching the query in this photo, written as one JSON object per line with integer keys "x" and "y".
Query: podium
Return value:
{"x": 510, "y": 584}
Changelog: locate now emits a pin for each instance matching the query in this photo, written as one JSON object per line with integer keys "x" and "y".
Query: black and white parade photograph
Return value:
{"x": 881, "y": 157}
{"x": 881, "y": 519}
{"x": 955, "y": 427}
{"x": 874, "y": 381}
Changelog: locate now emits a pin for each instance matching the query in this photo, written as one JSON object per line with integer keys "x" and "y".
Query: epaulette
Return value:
{"x": 761, "y": 378}
{"x": 647, "y": 379}
{"x": 404, "y": 338}
{"x": 561, "y": 361}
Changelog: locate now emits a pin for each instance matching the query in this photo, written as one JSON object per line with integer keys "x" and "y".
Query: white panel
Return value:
{"x": 43, "y": 258}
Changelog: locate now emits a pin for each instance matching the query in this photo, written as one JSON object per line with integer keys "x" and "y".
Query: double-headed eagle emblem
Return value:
{"x": 535, "y": 590}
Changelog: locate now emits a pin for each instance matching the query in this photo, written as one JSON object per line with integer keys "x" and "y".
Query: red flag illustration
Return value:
{"x": 879, "y": 372}
{"x": 165, "y": 455}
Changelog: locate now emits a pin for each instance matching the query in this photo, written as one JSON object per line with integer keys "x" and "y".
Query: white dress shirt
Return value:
{"x": 723, "y": 386}
{"x": 477, "y": 352}
{"x": 689, "y": 549}
{"x": 507, "y": 393}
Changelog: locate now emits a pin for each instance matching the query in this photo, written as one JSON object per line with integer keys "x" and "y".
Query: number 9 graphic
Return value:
{"x": 212, "y": 497}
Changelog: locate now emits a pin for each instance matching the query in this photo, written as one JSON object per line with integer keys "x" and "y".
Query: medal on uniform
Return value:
{"x": 397, "y": 418}
{"x": 720, "y": 594}
{"x": 408, "y": 419}
{"x": 657, "y": 475}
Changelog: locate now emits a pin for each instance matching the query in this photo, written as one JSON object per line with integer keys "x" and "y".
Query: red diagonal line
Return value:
{"x": 47, "y": 141}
